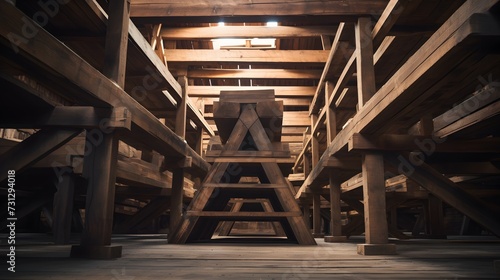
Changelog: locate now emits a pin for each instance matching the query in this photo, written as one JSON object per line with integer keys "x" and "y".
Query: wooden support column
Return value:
{"x": 435, "y": 218}
{"x": 331, "y": 120}
{"x": 376, "y": 231}
{"x": 364, "y": 61}
{"x": 63, "y": 209}
{"x": 335, "y": 211}
{"x": 314, "y": 142}
{"x": 176, "y": 199}
{"x": 306, "y": 212}
{"x": 99, "y": 168}
{"x": 181, "y": 120}
{"x": 317, "y": 215}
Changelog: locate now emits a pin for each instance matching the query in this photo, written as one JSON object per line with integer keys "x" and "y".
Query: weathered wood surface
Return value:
{"x": 148, "y": 257}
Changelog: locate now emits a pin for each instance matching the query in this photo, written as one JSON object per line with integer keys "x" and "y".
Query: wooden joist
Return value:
{"x": 304, "y": 74}
{"x": 238, "y": 8}
{"x": 279, "y": 91}
{"x": 197, "y": 33}
{"x": 216, "y": 57}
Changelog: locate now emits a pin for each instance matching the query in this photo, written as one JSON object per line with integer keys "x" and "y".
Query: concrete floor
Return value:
{"x": 150, "y": 257}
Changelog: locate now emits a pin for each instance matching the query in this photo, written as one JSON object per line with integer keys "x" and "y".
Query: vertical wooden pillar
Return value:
{"x": 307, "y": 212}
{"x": 317, "y": 215}
{"x": 99, "y": 168}
{"x": 364, "y": 61}
{"x": 435, "y": 218}
{"x": 376, "y": 231}
{"x": 176, "y": 198}
{"x": 314, "y": 142}
{"x": 335, "y": 211}
{"x": 63, "y": 209}
{"x": 331, "y": 120}
{"x": 181, "y": 120}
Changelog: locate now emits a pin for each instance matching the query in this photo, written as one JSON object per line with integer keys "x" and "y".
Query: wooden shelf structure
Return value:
{"x": 245, "y": 126}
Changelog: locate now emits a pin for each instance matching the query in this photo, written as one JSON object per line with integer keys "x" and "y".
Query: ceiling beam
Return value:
{"x": 197, "y": 33}
{"x": 202, "y": 57}
{"x": 305, "y": 74}
{"x": 279, "y": 91}
{"x": 235, "y": 8}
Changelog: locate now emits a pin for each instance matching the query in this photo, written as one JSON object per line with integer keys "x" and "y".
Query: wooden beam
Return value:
{"x": 304, "y": 74}
{"x": 449, "y": 192}
{"x": 201, "y": 57}
{"x": 99, "y": 165}
{"x": 317, "y": 215}
{"x": 156, "y": 207}
{"x": 364, "y": 61}
{"x": 176, "y": 199}
{"x": 198, "y": 33}
{"x": 374, "y": 199}
{"x": 335, "y": 206}
{"x": 387, "y": 19}
{"x": 72, "y": 116}
{"x": 63, "y": 209}
{"x": 34, "y": 148}
{"x": 279, "y": 91}
{"x": 180, "y": 119}
{"x": 426, "y": 144}
{"x": 234, "y": 8}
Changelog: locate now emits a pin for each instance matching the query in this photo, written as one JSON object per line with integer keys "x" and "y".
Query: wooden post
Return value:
{"x": 435, "y": 219}
{"x": 376, "y": 231}
{"x": 63, "y": 209}
{"x": 314, "y": 142}
{"x": 99, "y": 168}
{"x": 331, "y": 120}
{"x": 180, "y": 120}
{"x": 335, "y": 211}
{"x": 306, "y": 213}
{"x": 176, "y": 199}
{"x": 317, "y": 215}
{"x": 364, "y": 61}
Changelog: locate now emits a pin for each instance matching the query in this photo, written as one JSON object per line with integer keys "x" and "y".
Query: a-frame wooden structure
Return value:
{"x": 250, "y": 129}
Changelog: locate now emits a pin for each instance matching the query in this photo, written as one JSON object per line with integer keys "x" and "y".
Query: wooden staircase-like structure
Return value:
{"x": 249, "y": 124}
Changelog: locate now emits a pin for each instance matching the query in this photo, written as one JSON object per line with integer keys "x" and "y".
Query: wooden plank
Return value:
{"x": 72, "y": 116}
{"x": 479, "y": 99}
{"x": 302, "y": 74}
{"x": 236, "y": 8}
{"x": 242, "y": 214}
{"x": 317, "y": 215}
{"x": 472, "y": 119}
{"x": 152, "y": 210}
{"x": 34, "y": 148}
{"x": 245, "y": 186}
{"x": 197, "y": 33}
{"x": 449, "y": 192}
{"x": 279, "y": 91}
{"x": 200, "y": 57}
{"x": 258, "y": 154}
{"x": 364, "y": 61}
{"x": 426, "y": 144}
{"x": 386, "y": 21}
{"x": 334, "y": 49}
